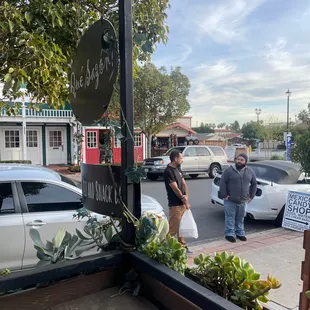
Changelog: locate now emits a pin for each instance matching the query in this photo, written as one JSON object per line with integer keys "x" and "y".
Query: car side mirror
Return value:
{"x": 258, "y": 192}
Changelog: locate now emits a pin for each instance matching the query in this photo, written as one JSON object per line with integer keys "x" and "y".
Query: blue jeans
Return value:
{"x": 234, "y": 218}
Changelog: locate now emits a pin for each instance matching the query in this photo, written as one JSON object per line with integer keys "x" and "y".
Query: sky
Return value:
{"x": 240, "y": 55}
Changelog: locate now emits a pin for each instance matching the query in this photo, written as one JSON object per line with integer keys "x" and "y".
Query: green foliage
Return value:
{"x": 160, "y": 98}
{"x": 135, "y": 174}
{"x": 151, "y": 227}
{"x": 74, "y": 169}
{"x": 253, "y": 130}
{"x": 204, "y": 128}
{"x": 300, "y": 153}
{"x": 169, "y": 252}
{"x": 16, "y": 162}
{"x": 221, "y": 125}
{"x": 5, "y": 272}
{"x": 38, "y": 41}
{"x": 232, "y": 278}
{"x": 276, "y": 157}
{"x": 235, "y": 126}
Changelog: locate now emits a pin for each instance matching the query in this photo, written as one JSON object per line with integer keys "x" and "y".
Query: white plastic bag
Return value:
{"x": 188, "y": 226}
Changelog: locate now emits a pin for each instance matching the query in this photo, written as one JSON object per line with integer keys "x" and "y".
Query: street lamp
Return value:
{"x": 258, "y": 112}
{"x": 288, "y": 94}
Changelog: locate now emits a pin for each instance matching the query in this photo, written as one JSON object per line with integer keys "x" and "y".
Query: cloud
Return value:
{"x": 226, "y": 21}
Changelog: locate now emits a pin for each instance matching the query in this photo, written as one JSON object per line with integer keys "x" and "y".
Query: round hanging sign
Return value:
{"x": 94, "y": 72}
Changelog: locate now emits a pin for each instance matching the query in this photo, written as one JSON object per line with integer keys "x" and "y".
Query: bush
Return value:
{"x": 232, "y": 278}
{"x": 276, "y": 157}
{"x": 74, "y": 169}
{"x": 15, "y": 162}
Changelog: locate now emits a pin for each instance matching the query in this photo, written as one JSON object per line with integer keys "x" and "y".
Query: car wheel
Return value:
{"x": 279, "y": 219}
{"x": 152, "y": 177}
{"x": 214, "y": 169}
{"x": 194, "y": 176}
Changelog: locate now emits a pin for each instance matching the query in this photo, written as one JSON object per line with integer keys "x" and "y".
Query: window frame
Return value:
{"x": 203, "y": 148}
{"x": 55, "y": 142}
{"x": 92, "y": 140}
{"x": 137, "y": 139}
{"x": 22, "y": 197}
{"x": 8, "y": 143}
{"x": 184, "y": 152}
{"x": 16, "y": 202}
{"x": 32, "y": 143}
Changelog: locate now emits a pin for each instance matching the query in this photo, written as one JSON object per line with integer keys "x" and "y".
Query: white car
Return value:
{"x": 274, "y": 179}
{"x": 37, "y": 197}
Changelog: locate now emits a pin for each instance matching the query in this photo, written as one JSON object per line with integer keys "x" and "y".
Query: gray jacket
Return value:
{"x": 238, "y": 185}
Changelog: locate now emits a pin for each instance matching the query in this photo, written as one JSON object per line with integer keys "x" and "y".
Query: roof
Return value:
{"x": 278, "y": 171}
{"x": 12, "y": 172}
{"x": 174, "y": 125}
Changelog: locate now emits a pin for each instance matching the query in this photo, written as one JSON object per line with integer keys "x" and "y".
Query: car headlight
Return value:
{"x": 159, "y": 162}
{"x": 144, "y": 163}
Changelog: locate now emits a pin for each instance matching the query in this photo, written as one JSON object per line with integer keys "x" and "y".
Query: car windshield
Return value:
{"x": 179, "y": 148}
{"x": 68, "y": 181}
{"x": 274, "y": 174}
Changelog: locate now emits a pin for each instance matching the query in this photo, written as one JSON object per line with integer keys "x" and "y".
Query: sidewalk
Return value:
{"x": 278, "y": 252}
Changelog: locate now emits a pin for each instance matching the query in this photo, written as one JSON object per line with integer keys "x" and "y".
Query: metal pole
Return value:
{"x": 287, "y": 113}
{"x": 127, "y": 116}
{"x": 24, "y": 130}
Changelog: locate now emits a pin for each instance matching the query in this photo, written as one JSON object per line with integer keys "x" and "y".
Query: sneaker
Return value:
{"x": 242, "y": 238}
{"x": 230, "y": 238}
{"x": 188, "y": 251}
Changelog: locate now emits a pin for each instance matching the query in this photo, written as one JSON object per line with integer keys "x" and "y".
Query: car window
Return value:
{"x": 203, "y": 151}
{"x": 180, "y": 149}
{"x": 45, "y": 197}
{"x": 191, "y": 151}
{"x": 217, "y": 151}
{"x": 6, "y": 199}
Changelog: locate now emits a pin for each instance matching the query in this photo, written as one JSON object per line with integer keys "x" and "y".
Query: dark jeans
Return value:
{"x": 234, "y": 218}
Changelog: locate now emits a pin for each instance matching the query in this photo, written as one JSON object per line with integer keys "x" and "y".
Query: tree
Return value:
{"x": 253, "y": 130}
{"x": 221, "y": 125}
{"x": 160, "y": 98}
{"x": 204, "y": 128}
{"x": 38, "y": 41}
{"x": 300, "y": 153}
{"x": 304, "y": 115}
{"x": 235, "y": 126}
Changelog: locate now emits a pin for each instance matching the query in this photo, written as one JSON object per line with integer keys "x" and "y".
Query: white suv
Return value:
{"x": 197, "y": 159}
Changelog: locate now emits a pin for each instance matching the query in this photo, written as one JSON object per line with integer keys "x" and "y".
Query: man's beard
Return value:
{"x": 240, "y": 166}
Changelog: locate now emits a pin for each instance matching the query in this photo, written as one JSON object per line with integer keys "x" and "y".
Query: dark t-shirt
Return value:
{"x": 172, "y": 174}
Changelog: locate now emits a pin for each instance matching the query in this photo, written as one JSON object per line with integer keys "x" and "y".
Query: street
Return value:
{"x": 209, "y": 217}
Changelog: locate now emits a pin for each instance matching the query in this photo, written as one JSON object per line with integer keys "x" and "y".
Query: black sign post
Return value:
{"x": 127, "y": 118}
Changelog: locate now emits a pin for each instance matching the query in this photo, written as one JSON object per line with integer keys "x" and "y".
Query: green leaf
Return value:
{"x": 36, "y": 238}
{"x": 27, "y": 17}
{"x": 255, "y": 276}
{"x": 11, "y": 70}
{"x": 109, "y": 233}
{"x": 7, "y": 77}
{"x": 140, "y": 38}
{"x": 308, "y": 294}
{"x": 147, "y": 47}
{"x": 57, "y": 240}
{"x": 81, "y": 236}
{"x": 11, "y": 26}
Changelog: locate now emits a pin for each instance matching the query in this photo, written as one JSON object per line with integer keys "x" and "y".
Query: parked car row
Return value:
{"x": 39, "y": 198}
{"x": 197, "y": 160}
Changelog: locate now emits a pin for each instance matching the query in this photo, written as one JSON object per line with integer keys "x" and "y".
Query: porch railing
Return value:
{"x": 42, "y": 113}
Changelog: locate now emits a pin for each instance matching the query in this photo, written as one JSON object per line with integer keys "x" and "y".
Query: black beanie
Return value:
{"x": 245, "y": 156}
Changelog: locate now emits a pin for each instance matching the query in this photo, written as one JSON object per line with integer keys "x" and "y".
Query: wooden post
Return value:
{"x": 304, "y": 302}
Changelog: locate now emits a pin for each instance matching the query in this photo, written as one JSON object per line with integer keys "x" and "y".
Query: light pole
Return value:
{"x": 258, "y": 112}
{"x": 288, "y": 94}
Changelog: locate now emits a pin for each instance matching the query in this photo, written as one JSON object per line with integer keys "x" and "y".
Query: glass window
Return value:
{"x": 6, "y": 199}
{"x": 55, "y": 138}
{"x": 191, "y": 151}
{"x": 91, "y": 139}
{"x": 12, "y": 138}
{"x": 203, "y": 151}
{"x": 216, "y": 150}
{"x": 45, "y": 197}
{"x": 32, "y": 138}
{"x": 138, "y": 139}
{"x": 117, "y": 142}
{"x": 180, "y": 149}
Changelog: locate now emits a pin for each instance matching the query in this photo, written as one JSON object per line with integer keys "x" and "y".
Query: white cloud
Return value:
{"x": 225, "y": 21}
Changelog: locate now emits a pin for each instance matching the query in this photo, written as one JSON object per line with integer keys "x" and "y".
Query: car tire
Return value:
{"x": 214, "y": 168}
{"x": 194, "y": 176}
{"x": 279, "y": 219}
{"x": 152, "y": 177}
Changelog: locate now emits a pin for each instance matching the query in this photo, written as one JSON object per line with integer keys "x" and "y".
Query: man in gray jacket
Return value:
{"x": 237, "y": 188}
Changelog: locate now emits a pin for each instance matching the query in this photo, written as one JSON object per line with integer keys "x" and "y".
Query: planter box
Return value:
{"x": 70, "y": 280}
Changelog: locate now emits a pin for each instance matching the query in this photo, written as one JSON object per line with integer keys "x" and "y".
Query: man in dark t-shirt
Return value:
{"x": 177, "y": 193}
